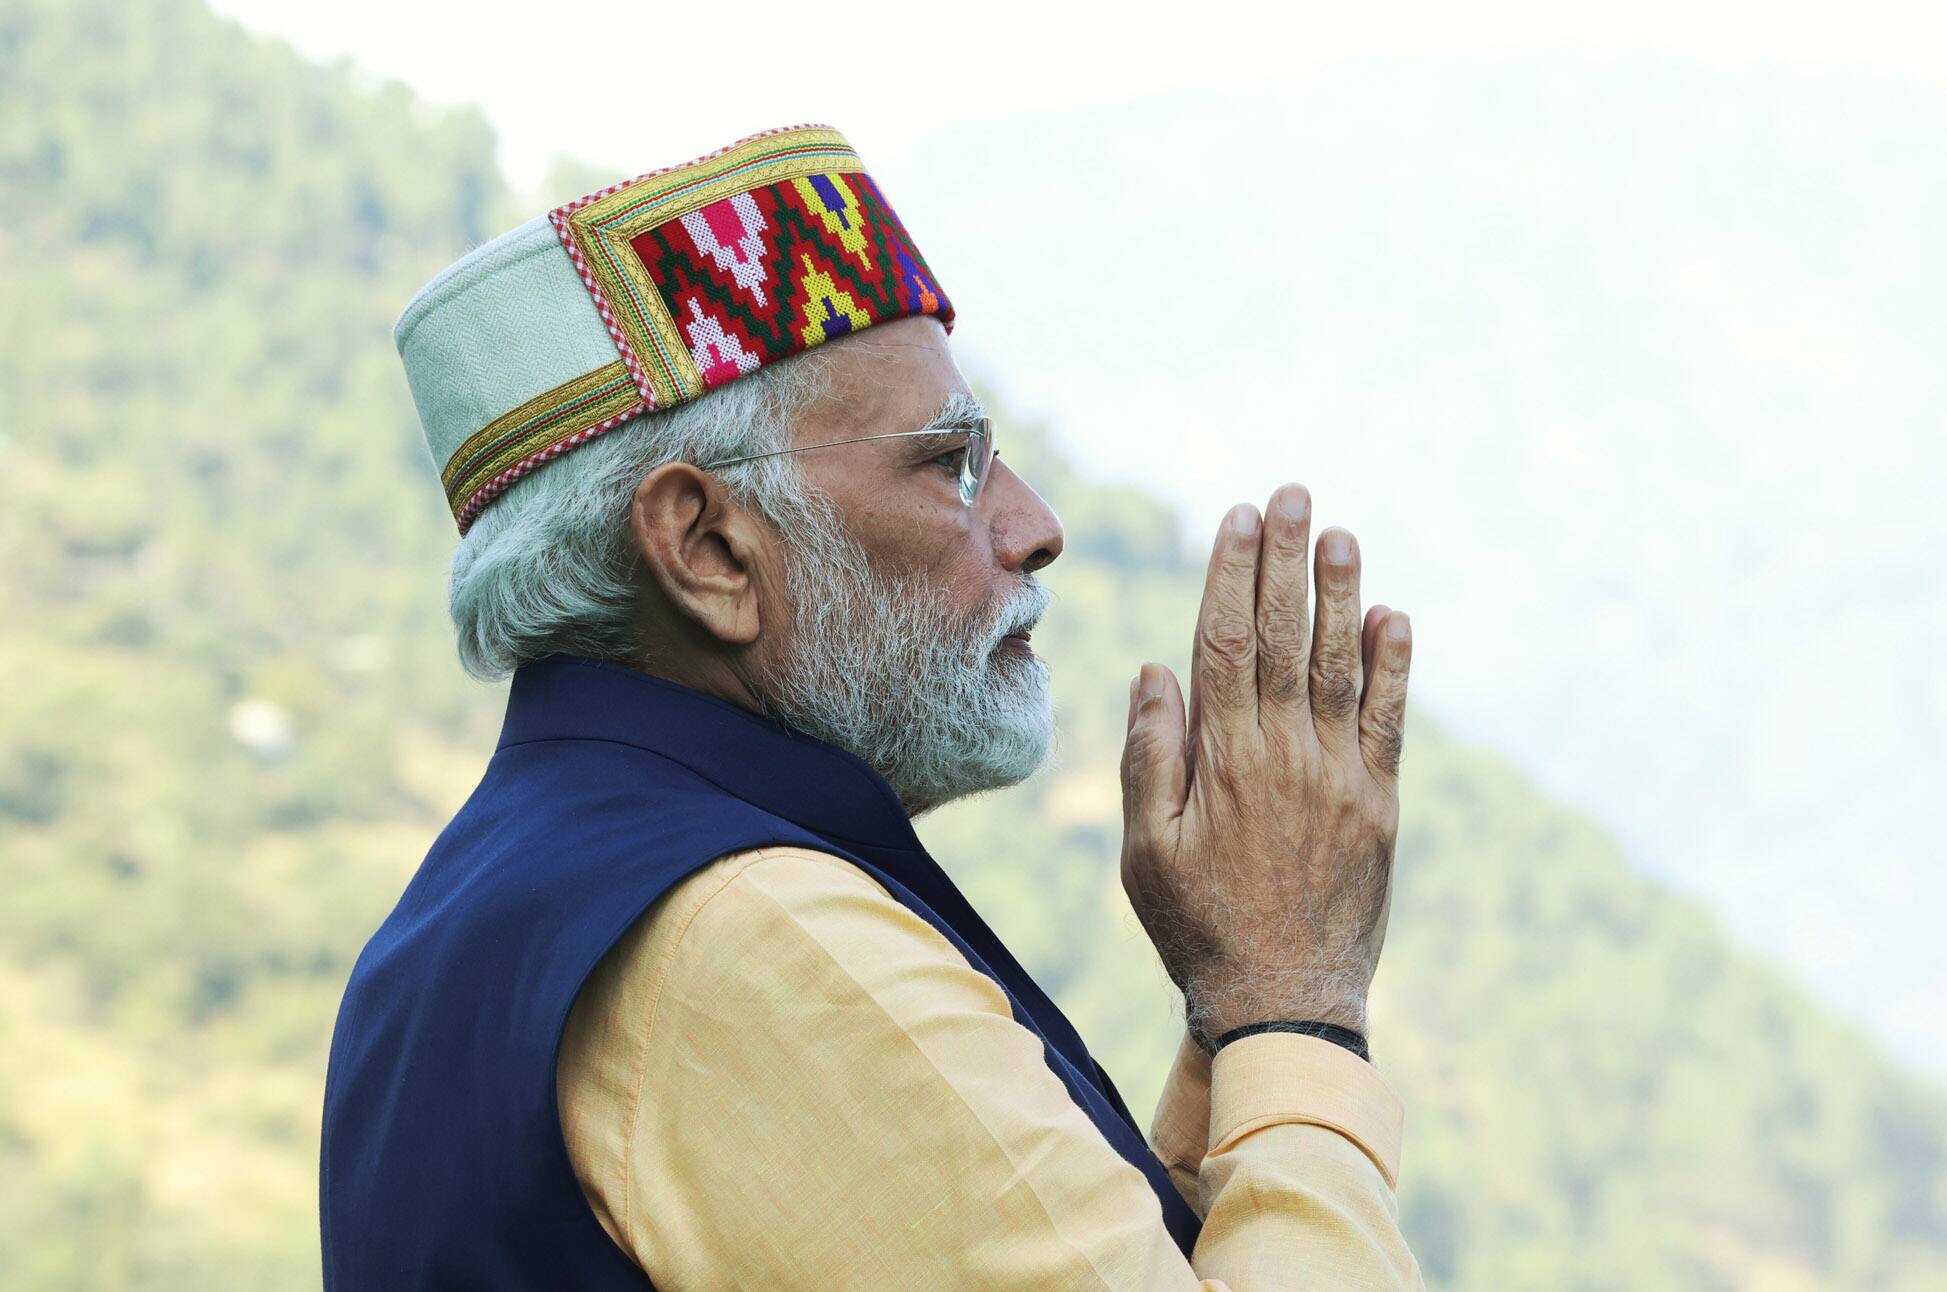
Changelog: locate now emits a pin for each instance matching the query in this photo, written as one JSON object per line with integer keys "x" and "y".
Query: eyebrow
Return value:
{"x": 956, "y": 416}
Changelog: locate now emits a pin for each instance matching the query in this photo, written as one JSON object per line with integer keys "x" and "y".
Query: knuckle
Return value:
{"x": 1281, "y": 635}
{"x": 1227, "y": 639}
{"x": 1387, "y": 742}
{"x": 1383, "y": 724}
{"x": 1395, "y": 755}
{"x": 1278, "y": 677}
{"x": 1282, "y": 624}
{"x": 1334, "y": 694}
{"x": 1341, "y": 592}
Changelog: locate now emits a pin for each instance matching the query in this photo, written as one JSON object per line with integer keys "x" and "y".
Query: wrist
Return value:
{"x": 1217, "y": 1004}
{"x": 1212, "y": 1010}
{"x": 1344, "y": 1037}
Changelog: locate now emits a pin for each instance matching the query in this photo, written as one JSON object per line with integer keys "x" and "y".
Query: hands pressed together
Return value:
{"x": 1258, "y": 826}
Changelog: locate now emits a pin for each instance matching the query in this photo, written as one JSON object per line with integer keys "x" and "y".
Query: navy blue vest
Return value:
{"x": 443, "y": 1164}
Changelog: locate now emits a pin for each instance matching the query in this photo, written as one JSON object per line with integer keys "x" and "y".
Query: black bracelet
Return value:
{"x": 1332, "y": 1032}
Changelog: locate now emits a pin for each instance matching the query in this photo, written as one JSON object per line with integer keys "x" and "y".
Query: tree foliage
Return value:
{"x": 232, "y": 724}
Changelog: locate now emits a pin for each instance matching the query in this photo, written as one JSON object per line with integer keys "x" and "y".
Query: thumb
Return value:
{"x": 1154, "y": 778}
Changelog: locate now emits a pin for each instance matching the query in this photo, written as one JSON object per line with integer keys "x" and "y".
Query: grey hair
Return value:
{"x": 547, "y": 567}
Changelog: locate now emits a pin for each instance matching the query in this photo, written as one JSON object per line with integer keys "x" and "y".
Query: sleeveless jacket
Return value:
{"x": 443, "y": 1163}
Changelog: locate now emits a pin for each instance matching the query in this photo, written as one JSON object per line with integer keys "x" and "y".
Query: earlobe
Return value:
{"x": 700, "y": 549}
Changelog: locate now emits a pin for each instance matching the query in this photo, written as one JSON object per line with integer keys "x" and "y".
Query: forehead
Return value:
{"x": 889, "y": 377}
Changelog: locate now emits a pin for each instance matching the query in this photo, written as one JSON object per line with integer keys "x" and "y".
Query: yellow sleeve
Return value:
{"x": 782, "y": 1078}
{"x": 1179, "y": 1133}
{"x": 1298, "y": 1181}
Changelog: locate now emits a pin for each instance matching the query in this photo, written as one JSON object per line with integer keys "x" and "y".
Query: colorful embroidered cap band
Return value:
{"x": 649, "y": 293}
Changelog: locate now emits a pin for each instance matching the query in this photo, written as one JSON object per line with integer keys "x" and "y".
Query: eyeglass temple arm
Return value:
{"x": 889, "y": 435}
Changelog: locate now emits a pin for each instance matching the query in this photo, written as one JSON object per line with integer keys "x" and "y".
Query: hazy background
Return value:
{"x": 1616, "y": 339}
{"x": 1614, "y": 333}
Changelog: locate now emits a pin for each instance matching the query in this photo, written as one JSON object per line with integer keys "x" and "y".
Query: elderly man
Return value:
{"x": 678, "y": 999}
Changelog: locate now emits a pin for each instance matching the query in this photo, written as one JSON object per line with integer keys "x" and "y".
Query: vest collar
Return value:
{"x": 827, "y": 790}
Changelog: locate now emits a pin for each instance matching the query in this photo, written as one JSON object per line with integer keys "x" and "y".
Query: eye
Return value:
{"x": 953, "y": 459}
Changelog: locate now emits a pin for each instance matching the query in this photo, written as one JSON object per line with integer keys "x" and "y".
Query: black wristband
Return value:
{"x": 1332, "y": 1032}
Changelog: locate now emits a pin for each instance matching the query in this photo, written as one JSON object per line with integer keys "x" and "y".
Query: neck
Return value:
{"x": 712, "y": 676}
{"x": 718, "y": 677}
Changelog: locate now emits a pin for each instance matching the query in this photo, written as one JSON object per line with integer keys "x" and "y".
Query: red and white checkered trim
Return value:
{"x": 559, "y": 219}
{"x": 622, "y": 346}
{"x": 498, "y": 485}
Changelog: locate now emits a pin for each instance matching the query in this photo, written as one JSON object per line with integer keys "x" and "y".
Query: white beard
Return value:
{"x": 877, "y": 666}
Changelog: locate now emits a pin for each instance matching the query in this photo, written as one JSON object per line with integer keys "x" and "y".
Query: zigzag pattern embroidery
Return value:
{"x": 764, "y": 274}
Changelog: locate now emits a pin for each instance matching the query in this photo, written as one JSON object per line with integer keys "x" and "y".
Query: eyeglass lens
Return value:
{"x": 973, "y": 468}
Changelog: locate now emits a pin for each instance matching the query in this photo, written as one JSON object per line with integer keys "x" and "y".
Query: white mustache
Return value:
{"x": 1020, "y": 610}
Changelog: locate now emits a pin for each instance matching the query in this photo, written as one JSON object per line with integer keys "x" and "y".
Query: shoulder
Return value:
{"x": 792, "y": 877}
{"x": 751, "y": 934}
{"x": 771, "y": 938}
{"x": 759, "y": 884}
{"x": 779, "y": 900}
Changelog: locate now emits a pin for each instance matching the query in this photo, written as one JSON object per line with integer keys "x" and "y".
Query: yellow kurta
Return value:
{"x": 782, "y": 1078}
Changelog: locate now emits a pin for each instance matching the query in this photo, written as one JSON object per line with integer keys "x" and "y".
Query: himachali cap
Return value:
{"x": 649, "y": 293}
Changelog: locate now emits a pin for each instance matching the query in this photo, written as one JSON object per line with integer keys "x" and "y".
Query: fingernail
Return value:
{"x": 1291, "y": 506}
{"x": 1397, "y": 626}
{"x": 1338, "y": 546}
{"x": 1149, "y": 685}
{"x": 1243, "y": 519}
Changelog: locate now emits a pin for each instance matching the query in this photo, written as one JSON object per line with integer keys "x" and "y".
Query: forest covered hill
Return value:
{"x": 232, "y": 722}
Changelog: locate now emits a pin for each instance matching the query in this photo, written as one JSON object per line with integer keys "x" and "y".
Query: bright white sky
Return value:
{"x": 1613, "y": 331}
{"x": 644, "y": 85}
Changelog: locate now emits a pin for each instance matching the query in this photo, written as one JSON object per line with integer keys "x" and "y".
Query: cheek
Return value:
{"x": 951, "y": 548}
{"x": 957, "y": 573}
{"x": 960, "y": 562}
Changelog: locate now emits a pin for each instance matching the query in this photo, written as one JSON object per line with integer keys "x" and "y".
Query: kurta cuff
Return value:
{"x": 1279, "y": 1077}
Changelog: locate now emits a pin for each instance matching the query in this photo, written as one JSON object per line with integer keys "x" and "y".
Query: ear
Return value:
{"x": 703, "y": 550}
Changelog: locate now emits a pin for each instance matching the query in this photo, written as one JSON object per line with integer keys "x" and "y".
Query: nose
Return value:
{"x": 1027, "y": 533}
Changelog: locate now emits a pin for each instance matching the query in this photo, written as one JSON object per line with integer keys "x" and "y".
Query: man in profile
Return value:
{"x": 678, "y": 999}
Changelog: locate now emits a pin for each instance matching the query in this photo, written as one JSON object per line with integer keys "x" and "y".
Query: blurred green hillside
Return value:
{"x": 231, "y": 724}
